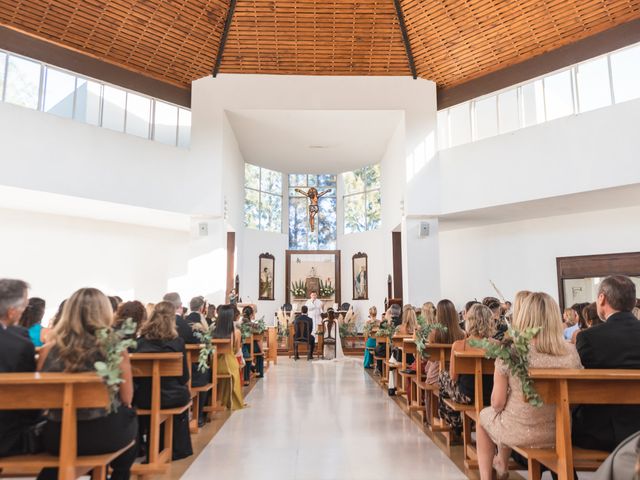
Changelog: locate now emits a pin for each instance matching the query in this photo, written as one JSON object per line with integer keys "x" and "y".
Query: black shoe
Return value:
{"x": 296, "y": 358}
{"x": 201, "y": 422}
{"x": 392, "y": 392}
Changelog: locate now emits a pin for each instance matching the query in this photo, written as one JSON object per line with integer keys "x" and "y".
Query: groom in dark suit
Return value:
{"x": 17, "y": 354}
{"x": 612, "y": 344}
{"x": 302, "y": 327}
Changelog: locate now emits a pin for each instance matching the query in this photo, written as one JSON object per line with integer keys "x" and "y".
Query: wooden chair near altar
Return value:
{"x": 301, "y": 336}
{"x": 329, "y": 336}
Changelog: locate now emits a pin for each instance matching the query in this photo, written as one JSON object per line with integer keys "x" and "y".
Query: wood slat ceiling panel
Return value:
{"x": 454, "y": 41}
{"x": 175, "y": 41}
{"x": 315, "y": 37}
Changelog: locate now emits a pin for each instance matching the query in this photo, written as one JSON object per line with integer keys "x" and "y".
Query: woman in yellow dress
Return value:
{"x": 230, "y": 391}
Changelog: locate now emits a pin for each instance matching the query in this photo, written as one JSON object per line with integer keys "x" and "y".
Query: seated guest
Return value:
{"x": 371, "y": 341}
{"x": 185, "y": 329}
{"x": 571, "y": 321}
{"x": 211, "y": 314}
{"x": 133, "y": 310}
{"x": 409, "y": 321}
{"x": 32, "y": 320}
{"x": 248, "y": 317}
{"x": 447, "y": 316}
{"x": 17, "y": 354}
{"x": 158, "y": 335}
{"x": 467, "y": 307}
{"x": 198, "y": 307}
{"x": 114, "y": 303}
{"x": 499, "y": 321}
{"x": 461, "y": 388}
{"x": 196, "y": 321}
{"x": 230, "y": 393}
{"x": 588, "y": 319}
{"x": 74, "y": 347}
{"x": 304, "y": 319}
{"x": 613, "y": 344}
{"x": 149, "y": 308}
{"x": 428, "y": 313}
{"x": 511, "y": 421}
{"x": 395, "y": 313}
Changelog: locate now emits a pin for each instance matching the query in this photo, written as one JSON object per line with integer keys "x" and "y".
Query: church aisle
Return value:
{"x": 321, "y": 421}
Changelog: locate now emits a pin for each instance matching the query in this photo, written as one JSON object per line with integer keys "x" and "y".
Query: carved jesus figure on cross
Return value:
{"x": 313, "y": 196}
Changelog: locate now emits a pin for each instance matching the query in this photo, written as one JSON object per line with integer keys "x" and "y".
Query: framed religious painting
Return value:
{"x": 360, "y": 276}
{"x": 266, "y": 271}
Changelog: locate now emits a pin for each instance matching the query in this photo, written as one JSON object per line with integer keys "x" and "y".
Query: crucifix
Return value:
{"x": 313, "y": 196}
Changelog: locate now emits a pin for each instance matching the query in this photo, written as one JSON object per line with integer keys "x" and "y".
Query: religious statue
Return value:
{"x": 313, "y": 196}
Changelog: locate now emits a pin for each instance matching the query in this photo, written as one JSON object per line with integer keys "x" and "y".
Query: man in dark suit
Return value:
{"x": 613, "y": 344}
{"x": 17, "y": 354}
{"x": 298, "y": 327}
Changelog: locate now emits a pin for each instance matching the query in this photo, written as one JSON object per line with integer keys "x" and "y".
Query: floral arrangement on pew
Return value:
{"x": 205, "y": 336}
{"x": 368, "y": 328}
{"x": 422, "y": 335}
{"x": 259, "y": 327}
{"x": 513, "y": 350}
{"x": 114, "y": 342}
{"x": 386, "y": 329}
{"x": 347, "y": 325}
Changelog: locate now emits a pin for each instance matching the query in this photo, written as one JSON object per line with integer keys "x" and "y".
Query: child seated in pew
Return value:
{"x": 248, "y": 317}
{"x": 447, "y": 316}
{"x": 159, "y": 335}
{"x": 461, "y": 388}
{"x": 134, "y": 310}
{"x": 230, "y": 392}
{"x": 74, "y": 347}
{"x": 32, "y": 320}
{"x": 590, "y": 319}
{"x": 510, "y": 420}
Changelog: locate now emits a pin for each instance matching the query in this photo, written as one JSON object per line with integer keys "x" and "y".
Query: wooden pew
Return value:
{"x": 563, "y": 388}
{"x": 470, "y": 362}
{"x": 272, "y": 346}
{"x": 67, "y": 392}
{"x": 410, "y": 379}
{"x": 397, "y": 341}
{"x": 260, "y": 339}
{"x": 193, "y": 358}
{"x": 427, "y": 394}
{"x": 156, "y": 366}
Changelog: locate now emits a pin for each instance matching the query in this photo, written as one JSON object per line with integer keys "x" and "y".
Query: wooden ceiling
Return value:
{"x": 177, "y": 41}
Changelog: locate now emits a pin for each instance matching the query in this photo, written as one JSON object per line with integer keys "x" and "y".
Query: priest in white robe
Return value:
{"x": 315, "y": 311}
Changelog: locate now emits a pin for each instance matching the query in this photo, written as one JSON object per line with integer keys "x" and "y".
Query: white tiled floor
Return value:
{"x": 318, "y": 420}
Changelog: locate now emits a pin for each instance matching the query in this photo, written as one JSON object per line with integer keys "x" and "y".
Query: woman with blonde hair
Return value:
{"x": 371, "y": 341}
{"x": 511, "y": 421}
{"x": 461, "y": 388}
{"x": 409, "y": 321}
{"x": 428, "y": 313}
{"x": 74, "y": 347}
{"x": 158, "y": 334}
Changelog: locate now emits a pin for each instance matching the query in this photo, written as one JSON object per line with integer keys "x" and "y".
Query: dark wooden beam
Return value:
{"x": 405, "y": 38}
{"x": 223, "y": 39}
{"x": 84, "y": 64}
{"x": 598, "y": 44}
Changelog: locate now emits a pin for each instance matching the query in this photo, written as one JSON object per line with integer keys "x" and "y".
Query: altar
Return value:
{"x": 313, "y": 271}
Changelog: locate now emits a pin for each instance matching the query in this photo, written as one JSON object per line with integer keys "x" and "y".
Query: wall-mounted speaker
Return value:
{"x": 423, "y": 231}
{"x": 203, "y": 229}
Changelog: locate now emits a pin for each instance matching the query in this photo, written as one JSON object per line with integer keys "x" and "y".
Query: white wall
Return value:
{"x": 257, "y": 242}
{"x": 58, "y": 254}
{"x": 522, "y": 255}
{"x": 589, "y": 151}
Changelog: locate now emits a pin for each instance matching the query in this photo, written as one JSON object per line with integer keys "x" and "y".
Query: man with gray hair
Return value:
{"x": 174, "y": 297}
{"x": 17, "y": 354}
{"x": 612, "y": 344}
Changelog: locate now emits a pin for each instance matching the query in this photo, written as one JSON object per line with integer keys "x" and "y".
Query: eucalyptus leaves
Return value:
{"x": 422, "y": 335}
{"x": 513, "y": 350}
{"x": 386, "y": 329}
{"x": 206, "y": 347}
{"x": 114, "y": 343}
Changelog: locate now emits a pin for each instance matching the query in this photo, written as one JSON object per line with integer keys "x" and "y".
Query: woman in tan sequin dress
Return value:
{"x": 510, "y": 420}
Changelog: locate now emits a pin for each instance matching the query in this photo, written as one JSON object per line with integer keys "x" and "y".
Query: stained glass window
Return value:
{"x": 362, "y": 199}
{"x": 326, "y": 232}
{"x": 262, "y": 199}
